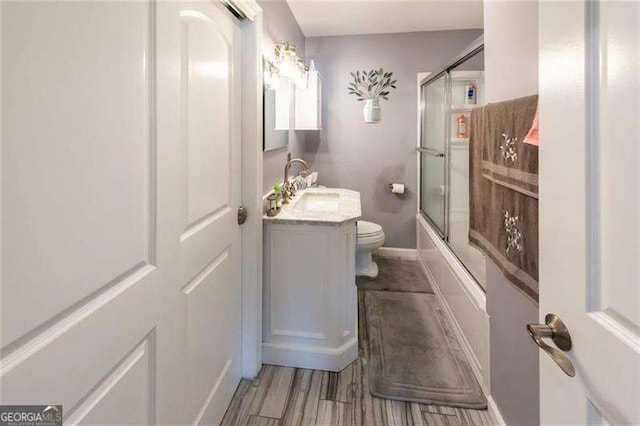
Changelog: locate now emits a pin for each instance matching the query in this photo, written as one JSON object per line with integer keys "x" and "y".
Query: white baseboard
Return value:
{"x": 402, "y": 253}
{"x": 494, "y": 412}
{"x": 290, "y": 355}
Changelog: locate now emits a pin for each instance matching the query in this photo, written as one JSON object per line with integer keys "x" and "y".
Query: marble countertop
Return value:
{"x": 348, "y": 208}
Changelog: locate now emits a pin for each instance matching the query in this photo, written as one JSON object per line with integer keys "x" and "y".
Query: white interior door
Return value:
{"x": 590, "y": 208}
{"x": 210, "y": 237}
{"x": 120, "y": 185}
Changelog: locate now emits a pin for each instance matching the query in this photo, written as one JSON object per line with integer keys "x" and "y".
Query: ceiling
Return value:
{"x": 347, "y": 17}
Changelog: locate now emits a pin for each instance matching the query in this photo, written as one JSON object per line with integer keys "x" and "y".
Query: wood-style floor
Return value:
{"x": 296, "y": 396}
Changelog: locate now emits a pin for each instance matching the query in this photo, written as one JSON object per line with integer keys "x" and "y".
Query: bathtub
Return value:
{"x": 463, "y": 299}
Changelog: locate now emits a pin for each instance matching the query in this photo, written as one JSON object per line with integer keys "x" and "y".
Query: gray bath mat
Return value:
{"x": 414, "y": 355}
{"x": 397, "y": 275}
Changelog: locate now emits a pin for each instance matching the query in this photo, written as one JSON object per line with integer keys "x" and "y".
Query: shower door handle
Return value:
{"x": 554, "y": 329}
{"x": 430, "y": 151}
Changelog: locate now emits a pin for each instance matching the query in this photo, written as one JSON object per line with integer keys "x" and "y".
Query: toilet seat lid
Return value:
{"x": 368, "y": 228}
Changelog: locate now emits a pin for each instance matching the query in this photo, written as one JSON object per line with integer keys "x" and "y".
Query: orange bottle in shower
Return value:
{"x": 462, "y": 127}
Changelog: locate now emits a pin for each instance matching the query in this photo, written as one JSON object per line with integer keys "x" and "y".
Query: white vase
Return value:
{"x": 372, "y": 111}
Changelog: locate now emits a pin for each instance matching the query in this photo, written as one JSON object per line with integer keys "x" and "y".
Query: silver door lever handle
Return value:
{"x": 553, "y": 329}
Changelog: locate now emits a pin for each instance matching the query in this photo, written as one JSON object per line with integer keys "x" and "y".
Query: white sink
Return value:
{"x": 327, "y": 206}
{"x": 318, "y": 202}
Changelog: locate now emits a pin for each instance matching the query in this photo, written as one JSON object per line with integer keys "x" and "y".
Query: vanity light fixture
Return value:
{"x": 286, "y": 59}
{"x": 271, "y": 75}
{"x": 289, "y": 64}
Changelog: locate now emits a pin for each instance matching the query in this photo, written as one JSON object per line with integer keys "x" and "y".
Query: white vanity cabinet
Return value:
{"x": 310, "y": 296}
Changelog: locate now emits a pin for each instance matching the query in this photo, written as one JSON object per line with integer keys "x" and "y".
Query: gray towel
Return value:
{"x": 506, "y": 159}
{"x": 503, "y": 221}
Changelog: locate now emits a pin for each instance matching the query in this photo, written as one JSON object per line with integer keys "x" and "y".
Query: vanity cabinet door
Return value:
{"x": 310, "y": 305}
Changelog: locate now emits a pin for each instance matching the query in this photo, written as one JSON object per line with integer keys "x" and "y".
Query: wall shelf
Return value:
{"x": 464, "y": 107}
{"x": 459, "y": 141}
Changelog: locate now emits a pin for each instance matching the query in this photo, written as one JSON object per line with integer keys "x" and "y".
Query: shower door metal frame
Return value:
{"x": 435, "y": 153}
{"x": 474, "y": 48}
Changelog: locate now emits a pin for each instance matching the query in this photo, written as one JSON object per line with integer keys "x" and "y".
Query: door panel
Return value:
{"x": 210, "y": 244}
{"x": 76, "y": 215}
{"x": 212, "y": 348}
{"x": 590, "y": 224}
{"x": 125, "y": 395}
{"x": 78, "y": 198}
{"x": 63, "y": 373}
{"x": 206, "y": 61}
{"x": 619, "y": 45}
{"x": 120, "y": 183}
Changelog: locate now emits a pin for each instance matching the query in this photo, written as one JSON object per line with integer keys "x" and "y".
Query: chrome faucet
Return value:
{"x": 288, "y": 189}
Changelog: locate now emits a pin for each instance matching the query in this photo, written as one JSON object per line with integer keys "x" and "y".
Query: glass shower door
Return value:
{"x": 433, "y": 172}
{"x": 468, "y": 73}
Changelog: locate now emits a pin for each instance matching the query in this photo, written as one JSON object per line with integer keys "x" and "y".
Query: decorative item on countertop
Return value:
{"x": 370, "y": 86}
{"x": 300, "y": 181}
{"x": 312, "y": 179}
{"x": 273, "y": 208}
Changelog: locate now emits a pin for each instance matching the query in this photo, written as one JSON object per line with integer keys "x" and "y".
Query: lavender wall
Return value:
{"x": 511, "y": 37}
{"x": 366, "y": 157}
{"x": 513, "y": 356}
{"x": 279, "y": 26}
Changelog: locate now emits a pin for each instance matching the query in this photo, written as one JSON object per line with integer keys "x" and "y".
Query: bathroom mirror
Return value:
{"x": 272, "y": 138}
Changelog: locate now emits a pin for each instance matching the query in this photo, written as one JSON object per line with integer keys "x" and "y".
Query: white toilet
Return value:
{"x": 370, "y": 237}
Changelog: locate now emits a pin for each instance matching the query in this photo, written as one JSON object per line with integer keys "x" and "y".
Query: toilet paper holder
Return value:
{"x": 390, "y": 186}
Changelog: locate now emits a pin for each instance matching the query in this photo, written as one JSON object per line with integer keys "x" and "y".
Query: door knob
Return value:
{"x": 242, "y": 215}
{"x": 554, "y": 329}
